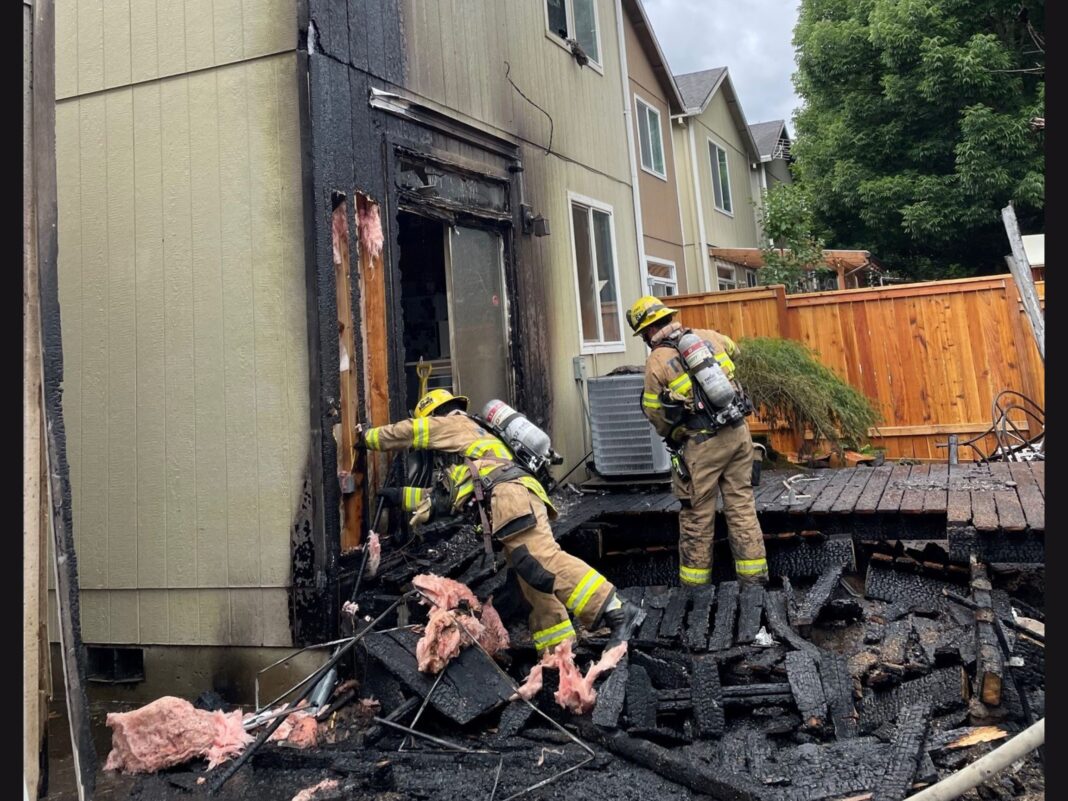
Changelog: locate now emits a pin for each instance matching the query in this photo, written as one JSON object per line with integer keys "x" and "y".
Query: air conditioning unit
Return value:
{"x": 624, "y": 441}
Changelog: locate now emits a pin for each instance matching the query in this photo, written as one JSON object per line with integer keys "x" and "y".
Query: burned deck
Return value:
{"x": 996, "y": 510}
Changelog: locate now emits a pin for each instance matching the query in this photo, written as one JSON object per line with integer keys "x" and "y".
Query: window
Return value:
{"x": 751, "y": 278}
{"x": 662, "y": 280}
{"x": 575, "y": 19}
{"x": 650, "y": 141}
{"x": 595, "y": 275}
{"x": 727, "y": 277}
{"x": 721, "y": 179}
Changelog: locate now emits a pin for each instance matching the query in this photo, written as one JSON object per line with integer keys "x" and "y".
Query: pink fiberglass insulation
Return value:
{"x": 442, "y": 638}
{"x": 575, "y": 692}
{"x": 326, "y": 789}
{"x": 170, "y": 731}
{"x": 494, "y": 636}
{"x": 298, "y": 729}
{"x": 369, "y": 225}
{"x": 444, "y": 593}
{"x": 374, "y": 554}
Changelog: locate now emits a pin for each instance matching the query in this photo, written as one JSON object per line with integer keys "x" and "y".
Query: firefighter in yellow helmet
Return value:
{"x": 710, "y": 454}
{"x": 517, "y": 511}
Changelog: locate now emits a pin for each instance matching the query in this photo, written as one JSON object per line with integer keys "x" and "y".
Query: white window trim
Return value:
{"x": 638, "y": 99}
{"x": 651, "y": 278}
{"x": 552, "y": 36}
{"x": 712, "y": 177}
{"x": 734, "y": 269}
{"x": 588, "y": 348}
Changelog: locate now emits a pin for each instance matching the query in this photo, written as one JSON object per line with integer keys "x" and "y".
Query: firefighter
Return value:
{"x": 557, "y": 585}
{"x": 706, "y": 457}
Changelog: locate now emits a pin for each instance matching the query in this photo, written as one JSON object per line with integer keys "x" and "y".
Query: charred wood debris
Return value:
{"x": 862, "y": 671}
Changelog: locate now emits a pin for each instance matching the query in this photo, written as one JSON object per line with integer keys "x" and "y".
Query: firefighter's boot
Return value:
{"x": 622, "y": 617}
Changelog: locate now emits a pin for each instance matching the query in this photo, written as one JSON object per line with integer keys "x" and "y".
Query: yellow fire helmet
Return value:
{"x": 436, "y": 398}
{"x": 646, "y": 311}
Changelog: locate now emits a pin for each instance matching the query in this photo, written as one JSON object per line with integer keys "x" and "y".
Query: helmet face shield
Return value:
{"x": 646, "y": 311}
{"x": 437, "y": 398}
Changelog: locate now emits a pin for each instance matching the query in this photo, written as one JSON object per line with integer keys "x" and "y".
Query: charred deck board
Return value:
{"x": 946, "y": 689}
{"x": 807, "y": 688}
{"x": 470, "y": 687}
{"x": 1038, "y": 469}
{"x": 750, "y": 611}
{"x": 912, "y": 498}
{"x": 958, "y": 498}
{"x": 818, "y": 596}
{"x": 807, "y": 558}
{"x": 726, "y": 611}
{"x": 707, "y": 698}
{"x": 640, "y": 699}
{"x": 934, "y": 500}
{"x": 1010, "y": 512}
{"x": 984, "y": 511}
{"x": 906, "y": 747}
{"x": 868, "y": 501}
{"x": 1031, "y": 500}
{"x": 831, "y": 491}
{"x": 662, "y": 672}
{"x": 990, "y": 664}
{"x": 851, "y": 492}
{"x": 895, "y": 489}
{"x": 671, "y": 625}
{"x": 838, "y": 690}
{"x": 775, "y": 607}
{"x": 885, "y": 584}
{"x": 698, "y": 621}
{"x": 610, "y": 697}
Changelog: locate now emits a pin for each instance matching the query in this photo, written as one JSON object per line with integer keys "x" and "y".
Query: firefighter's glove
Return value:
{"x": 391, "y": 496}
{"x": 672, "y": 408}
{"x": 360, "y": 444}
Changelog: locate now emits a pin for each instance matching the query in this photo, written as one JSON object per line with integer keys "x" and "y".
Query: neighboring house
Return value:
{"x": 846, "y": 269}
{"x": 717, "y": 162}
{"x": 655, "y": 100}
{"x": 773, "y": 142}
{"x": 265, "y": 221}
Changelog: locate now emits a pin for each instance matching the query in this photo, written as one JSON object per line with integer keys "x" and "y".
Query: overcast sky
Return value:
{"x": 751, "y": 37}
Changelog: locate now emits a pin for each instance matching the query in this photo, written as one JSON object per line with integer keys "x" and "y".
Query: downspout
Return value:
{"x": 700, "y": 212}
{"x": 643, "y": 270}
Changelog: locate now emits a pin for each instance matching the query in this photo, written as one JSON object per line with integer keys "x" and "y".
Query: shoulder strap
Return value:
{"x": 476, "y": 488}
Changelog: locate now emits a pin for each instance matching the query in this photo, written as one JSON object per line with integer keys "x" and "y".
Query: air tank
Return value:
{"x": 706, "y": 370}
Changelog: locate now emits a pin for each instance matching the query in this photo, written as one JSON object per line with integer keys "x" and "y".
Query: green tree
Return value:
{"x": 916, "y": 127}
{"x": 792, "y": 250}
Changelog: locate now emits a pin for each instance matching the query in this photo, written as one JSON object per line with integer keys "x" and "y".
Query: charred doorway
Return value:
{"x": 453, "y": 305}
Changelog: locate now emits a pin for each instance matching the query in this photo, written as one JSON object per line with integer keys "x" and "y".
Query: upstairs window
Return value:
{"x": 662, "y": 279}
{"x": 575, "y": 19}
{"x": 596, "y": 279}
{"x": 650, "y": 139}
{"x": 721, "y": 179}
{"x": 727, "y": 278}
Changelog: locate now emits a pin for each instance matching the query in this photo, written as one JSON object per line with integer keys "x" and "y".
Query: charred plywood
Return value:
{"x": 707, "y": 698}
{"x": 726, "y": 612}
{"x": 750, "y": 611}
{"x": 809, "y": 557}
{"x": 817, "y": 597}
{"x": 698, "y": 621}
{"x": 906, "y": 747}
{"x": 807, "y": 688}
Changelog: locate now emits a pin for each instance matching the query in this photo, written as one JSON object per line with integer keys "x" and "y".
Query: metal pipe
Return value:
{"x": 985, "y": 767}
{"x": 235, "y": 766}
{"x": 431, "y": 738}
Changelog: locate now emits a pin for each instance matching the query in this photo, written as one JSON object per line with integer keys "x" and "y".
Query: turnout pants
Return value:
{"x": 723, "y": 462}
{"x": 557, "y": 585}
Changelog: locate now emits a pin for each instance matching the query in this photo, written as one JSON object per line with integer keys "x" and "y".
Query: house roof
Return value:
{"x": 838, "y": 260}
{"x": 767, "y": 136}
{"x": 697, "y": 88}
{"x": 657, "y": 60}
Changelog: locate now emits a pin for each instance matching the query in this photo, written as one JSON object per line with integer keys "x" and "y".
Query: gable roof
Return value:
{"x": 697, "y": 88}
{"x": 655, "y": 56}
{"x": 767, "y": 136}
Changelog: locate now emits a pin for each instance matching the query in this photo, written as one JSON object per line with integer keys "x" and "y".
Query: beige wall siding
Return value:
{"x": 661, "y": 224}
{"x": 691, "y": 232}
{"x": 551, "y": 185}
{"x": 104, "y": 44}
{"x": 181, "y": 270}
{"x": 457, "y": 51}
{"x": 725, "y": 230}
{"x": 778, "y": 172}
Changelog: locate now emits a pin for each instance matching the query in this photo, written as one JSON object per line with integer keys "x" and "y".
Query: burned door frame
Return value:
{"x": 350, "y": 127}
{"x": 401, "y": 199}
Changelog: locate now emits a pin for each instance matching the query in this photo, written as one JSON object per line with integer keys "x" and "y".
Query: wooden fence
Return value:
{"x": 931, "y": 356}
